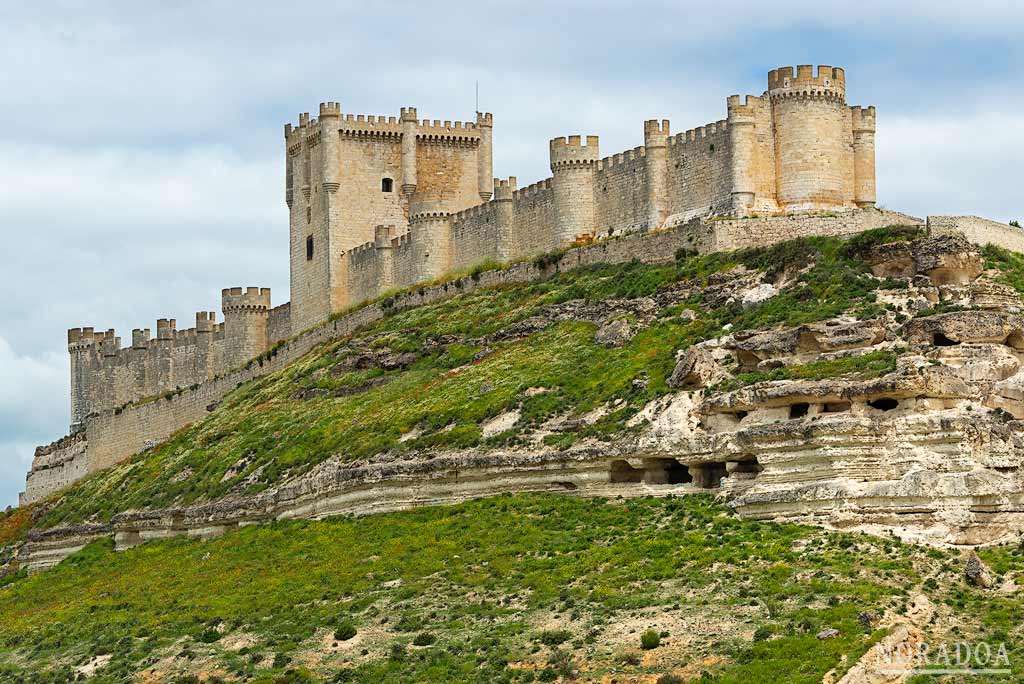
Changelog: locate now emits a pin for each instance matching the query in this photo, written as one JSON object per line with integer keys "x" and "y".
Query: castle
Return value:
{"x": 379, "y": 203}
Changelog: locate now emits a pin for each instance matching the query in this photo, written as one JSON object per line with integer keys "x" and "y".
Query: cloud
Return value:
{"x": 33, "y": 397}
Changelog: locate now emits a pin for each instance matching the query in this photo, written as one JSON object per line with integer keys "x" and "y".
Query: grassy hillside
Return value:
{"x": 511, "y": 589}
{"x": 430, "y": 377}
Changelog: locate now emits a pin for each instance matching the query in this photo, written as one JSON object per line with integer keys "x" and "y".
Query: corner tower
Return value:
{"x": 812, "y": 138}
{"x": 572, "y": 171}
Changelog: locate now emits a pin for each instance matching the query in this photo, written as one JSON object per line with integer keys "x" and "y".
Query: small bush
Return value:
{"x": 562, "y": 663}
{"x": 650, "y": 639}
{"x": 669, "y": 678}
{"x": 344, "y": 632}
{"x": 554, "y": 637}
{"x": 424, "y": 639}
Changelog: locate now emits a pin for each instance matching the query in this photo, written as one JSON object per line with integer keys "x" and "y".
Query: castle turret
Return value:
{"x": 572, "y": 170}
{"x": 505, "y": 217}
{"x": 206, "y": 321}
{"x": 382, "y": 236}
{"x": 656, "y": 162}
{"x": 431, "y": 233}
{"x": 811, "y": 133}
{"x": 485, "y": 123}
{"x": 863, "y": 155}
{"x": 245, "y": 323}
{"x": 81, "y": 347}
{"x": 330, "y": 114}
{"x": 743, "y": 144}
{"x": 166, "y": 329}
{"x": 408, "y": 120}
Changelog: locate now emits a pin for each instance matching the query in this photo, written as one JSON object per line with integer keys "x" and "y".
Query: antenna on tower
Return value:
{"x": 478, "y": 97}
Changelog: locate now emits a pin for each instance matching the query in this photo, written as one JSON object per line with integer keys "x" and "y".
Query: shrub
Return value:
{"x": 669, "y": 678}
{"x": 554, "y": 637}
{"x": 209, "y": 635}
{"x": 650, "y": 639}
{"x": 424, "y": 639}
{"x": 562, "y": 663}
{"x": 344, "y": 632}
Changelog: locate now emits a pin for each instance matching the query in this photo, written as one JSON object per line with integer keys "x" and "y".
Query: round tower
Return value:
{"x": 810, "y": 121}
{"x": 572, "y": 170}
{"x": 430, "y": 231}
{"x": 863, "y": 155}
{"x": 656, "y": 163}
{"x": 743, "y": 143}
{"x": 81, "y": 347}
{"x": 505, "y": 216}
{"x": 330, "y": 117}
{"x": 245, "y": 323}
{"x": 408, "y": 120}
{"x": 485, "y": 124}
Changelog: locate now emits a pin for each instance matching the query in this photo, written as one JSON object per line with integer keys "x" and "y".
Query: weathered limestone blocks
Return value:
{"x": 967, "y": 327}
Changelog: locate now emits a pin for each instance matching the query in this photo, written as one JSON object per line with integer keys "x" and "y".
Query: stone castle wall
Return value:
{"x": 980, "y": 231}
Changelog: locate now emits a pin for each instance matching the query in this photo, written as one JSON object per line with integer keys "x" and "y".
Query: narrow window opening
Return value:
{"x": 940, "y": 340}
{"x": 884, "y": 404}
{"x": 799, "y": 410}
{"x": 309, "y": 214}
{"x": 386, "y": 184}
{"x": 309, "y": 248}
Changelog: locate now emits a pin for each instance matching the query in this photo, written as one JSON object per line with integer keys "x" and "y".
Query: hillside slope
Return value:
{"x": 509, "y": 589}
{"x": 432, "y": 378}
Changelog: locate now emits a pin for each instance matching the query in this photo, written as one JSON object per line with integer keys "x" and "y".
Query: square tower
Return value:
{"x": 347, "y": 174}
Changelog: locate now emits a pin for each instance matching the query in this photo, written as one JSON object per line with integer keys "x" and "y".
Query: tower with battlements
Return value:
{"x": 347, "y": 174}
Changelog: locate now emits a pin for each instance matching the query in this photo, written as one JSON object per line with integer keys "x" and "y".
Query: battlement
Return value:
{"x": 827, "y": 82}
{"x": 572, "y": 152}
{"x": 620, "y": 158}
{"x": 656, "y": 132}
{"x": 743, "y": 111}
{"x": 484, "y": 120}
{"x": 206, "y": 321}
{"x": 80, "y": 338}
{"x": 252, "y": 299}
{"x": 140, "y": 338}
{"x": 166, "y": 328}
{"x": 330, "y": 110}
{"x": 863, "y": 119}
{"x": 504, "y": 190}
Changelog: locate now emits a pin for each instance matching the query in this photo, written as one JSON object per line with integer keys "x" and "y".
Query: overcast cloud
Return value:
{"x": 141, "y": 144}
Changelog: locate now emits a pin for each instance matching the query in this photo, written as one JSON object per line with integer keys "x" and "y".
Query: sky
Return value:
{"x": 142, "y": 150}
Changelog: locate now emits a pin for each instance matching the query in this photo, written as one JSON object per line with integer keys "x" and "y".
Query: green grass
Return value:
{"x": 481, "y": 580}
{"x": 862, "y": 367}
{"x": 262, "y": 434}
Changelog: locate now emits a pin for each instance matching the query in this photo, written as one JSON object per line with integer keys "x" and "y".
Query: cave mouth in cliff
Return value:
{"x": 622, "y": 472}
{"x": 667, "y": 471}
{"x": 940, "y": 340}
{"x": 799, "y": 410}
{"x": 884, "y": 403}
{"x": 836, "y": 407}
{"x": 709, "y": 475}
